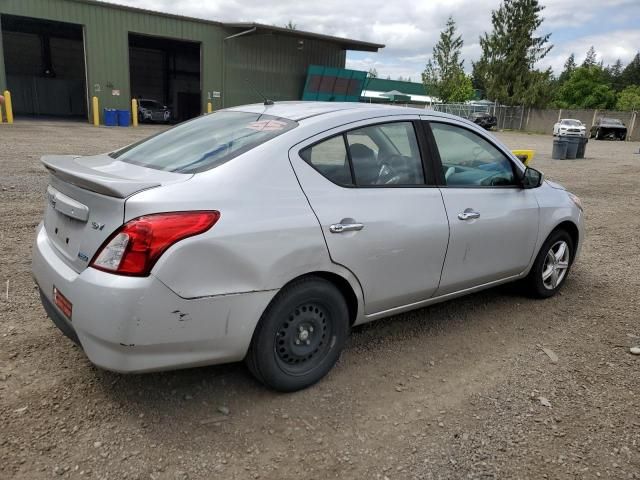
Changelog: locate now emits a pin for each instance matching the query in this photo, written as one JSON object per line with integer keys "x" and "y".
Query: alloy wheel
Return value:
{"x": 556, "y": 264}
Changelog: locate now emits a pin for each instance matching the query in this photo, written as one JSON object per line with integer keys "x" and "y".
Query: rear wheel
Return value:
{"x": 300, "y": 336}
{"x": 551, "y": 266}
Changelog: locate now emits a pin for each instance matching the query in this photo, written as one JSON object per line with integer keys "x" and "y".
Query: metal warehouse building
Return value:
{"x": 57, "y": 54}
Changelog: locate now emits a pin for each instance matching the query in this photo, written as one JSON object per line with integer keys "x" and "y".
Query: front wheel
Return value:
{"x": 300, "y": 335}
{"x": 551, "y": 266}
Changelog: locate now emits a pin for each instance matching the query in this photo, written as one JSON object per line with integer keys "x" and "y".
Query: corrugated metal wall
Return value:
{"x": 275, "y": 63}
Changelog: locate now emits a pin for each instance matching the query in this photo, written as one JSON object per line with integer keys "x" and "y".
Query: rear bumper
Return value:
{"x": 128, "y": 324}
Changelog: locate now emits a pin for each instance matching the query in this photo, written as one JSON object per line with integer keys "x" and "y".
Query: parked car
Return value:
{"x": 484, "y": 119}
{"x": 153, "y": 111}
{"x": 609, "y": 129}
{"x": 569, "y": 127}
{"x": 265, "y": 233}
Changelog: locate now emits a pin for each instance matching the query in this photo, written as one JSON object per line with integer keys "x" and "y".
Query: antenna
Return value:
{"x": 266, "y": 100}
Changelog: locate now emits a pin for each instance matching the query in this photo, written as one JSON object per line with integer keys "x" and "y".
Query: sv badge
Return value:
{"x": 97, "y": 226}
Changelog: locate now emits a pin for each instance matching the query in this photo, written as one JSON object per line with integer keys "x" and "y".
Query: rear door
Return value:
{"x": 380, "y": 213}
{"x": 493, "y": 220}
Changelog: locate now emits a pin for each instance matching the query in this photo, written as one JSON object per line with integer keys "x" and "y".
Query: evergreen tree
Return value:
{"x": 372, "y": 73}
{"x": 444, "y": 72}
{"x": 510, "y": 52}
{"x": 614, "y": 75}
{"x": 591, "y": 59}
{"x": 569, "y": 66}
{"x": 631, "y": 74}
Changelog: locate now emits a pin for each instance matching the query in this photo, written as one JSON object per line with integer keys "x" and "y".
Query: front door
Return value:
{"x": 379, "y": 211}
{"x": 493, "y": 220}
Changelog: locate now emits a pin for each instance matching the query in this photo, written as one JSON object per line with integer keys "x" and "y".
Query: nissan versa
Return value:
{"x": 265, "y": 232}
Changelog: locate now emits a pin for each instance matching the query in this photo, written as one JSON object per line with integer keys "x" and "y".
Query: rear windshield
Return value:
{"x": 205, "y": 142}
{"x": 613, "y": 121}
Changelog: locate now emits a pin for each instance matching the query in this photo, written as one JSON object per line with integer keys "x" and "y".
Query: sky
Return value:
{"x": 410, "y": 28}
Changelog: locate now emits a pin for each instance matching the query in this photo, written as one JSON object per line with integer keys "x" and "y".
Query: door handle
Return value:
{"x": 468, "y": 214}
{"x": 345, "y": 227}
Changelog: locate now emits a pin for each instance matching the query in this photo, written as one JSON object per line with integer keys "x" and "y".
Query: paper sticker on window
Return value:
{"x": 266, "y": 125}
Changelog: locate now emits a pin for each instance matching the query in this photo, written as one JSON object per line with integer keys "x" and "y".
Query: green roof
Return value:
{"x": 383, "y": 85}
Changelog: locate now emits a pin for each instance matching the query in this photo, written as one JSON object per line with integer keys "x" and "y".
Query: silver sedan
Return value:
{"x": 265, "y": 232}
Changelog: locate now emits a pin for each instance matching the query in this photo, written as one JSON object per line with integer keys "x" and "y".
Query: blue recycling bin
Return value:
{"x": 110, "y": 117}
{"x": 124, "y": 118}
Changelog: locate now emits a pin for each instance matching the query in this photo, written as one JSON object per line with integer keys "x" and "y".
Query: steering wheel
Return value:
{"x": 387, "y": 175}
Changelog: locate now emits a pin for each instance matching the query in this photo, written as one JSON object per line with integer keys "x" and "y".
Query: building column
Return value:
{"x": 3, "y": 75}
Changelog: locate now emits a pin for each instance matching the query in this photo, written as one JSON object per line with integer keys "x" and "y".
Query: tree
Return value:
{"x": 372, "y": 73}
{"x": 291, "y": 26}
{"x": 614, "y": 75}
{"x": 631, "y": 74}
{"x": 629, "y": 98}
{"x": 590, "y": 60}
{"x": 444, "y": 72}
{"x": 586, "y": 88}
{"x": 510, "y": 53}
{"x": 569, "y": 66}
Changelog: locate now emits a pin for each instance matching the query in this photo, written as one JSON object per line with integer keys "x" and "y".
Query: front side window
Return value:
{"x": 205, "y": 142}
{"x": 378, "y": 155}
{"x": 468, "y": 160}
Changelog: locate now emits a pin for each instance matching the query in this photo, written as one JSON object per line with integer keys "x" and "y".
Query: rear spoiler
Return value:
{"x": 81, "y": 174}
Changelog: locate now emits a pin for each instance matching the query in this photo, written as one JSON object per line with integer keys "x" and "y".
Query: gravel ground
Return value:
{"x": 457, "y": 390}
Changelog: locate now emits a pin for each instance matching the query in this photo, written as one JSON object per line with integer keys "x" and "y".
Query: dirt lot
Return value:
{"x": 457, "y": 390}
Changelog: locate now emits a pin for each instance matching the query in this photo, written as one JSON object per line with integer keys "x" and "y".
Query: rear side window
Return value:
{"x": 330, "y": 159}
{"x": 378, "y": 155}
{"x": 205, "y": 142}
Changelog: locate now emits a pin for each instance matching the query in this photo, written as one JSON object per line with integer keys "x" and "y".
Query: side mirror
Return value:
{"x": 532, "y": 178}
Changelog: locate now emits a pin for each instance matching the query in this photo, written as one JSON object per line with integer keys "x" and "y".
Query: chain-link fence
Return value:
{"x": 538, "y": 120}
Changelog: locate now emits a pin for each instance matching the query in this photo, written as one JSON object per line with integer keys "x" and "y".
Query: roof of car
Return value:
{"x": 299, "y": 110}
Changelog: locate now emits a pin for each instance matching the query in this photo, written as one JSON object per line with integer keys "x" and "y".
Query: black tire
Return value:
{"x": 300, "y": 335}
{"x": 534, "y": 284}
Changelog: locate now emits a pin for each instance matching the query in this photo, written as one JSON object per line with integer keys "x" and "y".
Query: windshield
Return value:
{"x": 150, "y": 104}
{"x": 573, "y": 123}
{"x": 205, "y": 142}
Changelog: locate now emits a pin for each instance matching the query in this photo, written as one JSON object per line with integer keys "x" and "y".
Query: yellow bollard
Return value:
{"x": 209, "y": 107}
{"x": 0, "y": 113}
{"x": 7, "y": 105}
{"x": 96, "y": 112}
{"x": 134, "y": 112}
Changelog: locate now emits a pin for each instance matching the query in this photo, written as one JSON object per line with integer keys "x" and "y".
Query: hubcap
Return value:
{"x": 303, "y": 339}
{"x": 555, "y": 265}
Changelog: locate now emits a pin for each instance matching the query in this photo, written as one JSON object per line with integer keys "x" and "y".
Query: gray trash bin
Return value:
{"x": 559, "y": 148}
{"x": 572, "y": 147}
{"x": 582, "y": 147}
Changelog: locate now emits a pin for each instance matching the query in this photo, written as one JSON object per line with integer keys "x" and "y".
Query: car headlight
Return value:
{"x": 575, "y": 199}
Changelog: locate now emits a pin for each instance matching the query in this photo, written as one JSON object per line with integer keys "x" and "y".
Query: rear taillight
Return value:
{"x": 135, "y": 247}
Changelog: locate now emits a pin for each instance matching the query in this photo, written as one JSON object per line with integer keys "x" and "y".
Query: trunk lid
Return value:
{"x": 86, "y": 199}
